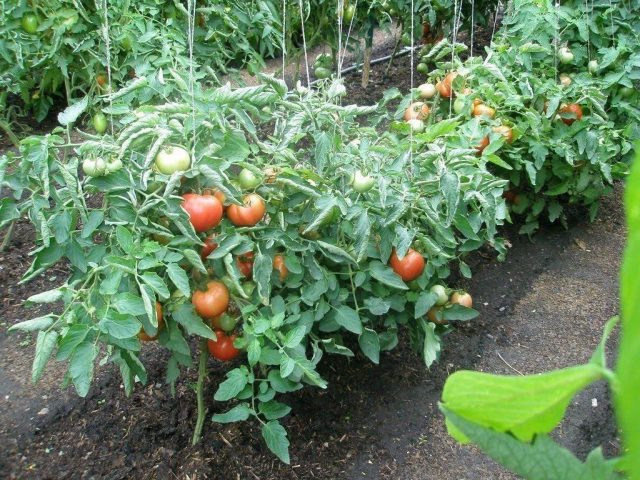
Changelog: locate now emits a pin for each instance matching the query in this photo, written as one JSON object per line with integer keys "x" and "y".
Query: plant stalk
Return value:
{"x": 202, "y": 373}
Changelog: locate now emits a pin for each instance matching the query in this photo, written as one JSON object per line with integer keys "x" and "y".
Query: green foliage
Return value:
{"x": 627, "y": 371}
{"x": 521, "y": 405}
{"x": 542, "y": 459}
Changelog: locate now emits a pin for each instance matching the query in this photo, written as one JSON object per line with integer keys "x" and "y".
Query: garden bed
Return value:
{"x": 543, "y": 308}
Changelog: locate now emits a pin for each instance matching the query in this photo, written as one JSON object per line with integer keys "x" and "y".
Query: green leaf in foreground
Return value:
{"x": 275, "y": 436}
{"x": 627, "y": 366}
{"x": 521, "y": 405}
{"x": 542, "y": 459}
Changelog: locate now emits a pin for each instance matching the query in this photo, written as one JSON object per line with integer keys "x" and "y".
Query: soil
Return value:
{"x": 543, "y": 308}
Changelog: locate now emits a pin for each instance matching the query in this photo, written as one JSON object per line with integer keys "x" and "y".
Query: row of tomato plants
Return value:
{"x": 62, "y": 49}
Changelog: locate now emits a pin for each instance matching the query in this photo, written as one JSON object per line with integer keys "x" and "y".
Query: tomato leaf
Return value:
{"x": 73, "y": 337}
{"x": 125, "y": 239}
{"x": 294, "y": 337}
{"x": 273, "y": 410}
{"x": 119, "y": 325}
{"x": 459, "y": 312}
{"x": 426, "y": 300}
{"x": 239, "y": 413}
{"x": 432, "y": 345}
{"x": 348, "y": 318}
{"x": 186, "y": 316}
{"x": 275, "y": 436}
{"x": 179, "y": 278}
{"x": 45, "y": 344}
{"x": 521, "y": 405}
{"x": 450, "y": 187}
{"x": 540, "y": 460}
{"x": 127, "y": 302}
{"x": 370, "y": 345}
{"x": 81, "y": 366}
{"x": 236, "y": 380}
{"x": 153, "y": 280}
{"x": 38, "y": 323}
{"x": 72, "y": 112}
{"x": 194, "y": 259}
{"x": 385, "y": 274}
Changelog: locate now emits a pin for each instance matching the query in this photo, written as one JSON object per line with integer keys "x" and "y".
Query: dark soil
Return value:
{"x": 543, "y": 308}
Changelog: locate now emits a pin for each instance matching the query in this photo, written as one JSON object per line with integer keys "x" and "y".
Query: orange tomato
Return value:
{"x": 249, "y": 214}
{"x": 211, "y": 302}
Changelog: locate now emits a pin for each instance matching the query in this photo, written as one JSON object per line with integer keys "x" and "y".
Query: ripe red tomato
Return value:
{"x": 462, "y": 298}
{"x": 143, "y": 336}
{"x": 222, "y": 348}
{"x": 416, "y": 111}
{"x": 510, "y": 196}
{"x": 482, "y": 109}
{"x": 278, "y": 264}
{"x": 506, "y": 132}
{"x": 444, "y": 87}
{"x": 208, "y": 247}
{"x": 572, "y": 108}
{"x": 410, "y": 267}
{"x": 245, "y": 264}
{"x": 205, "y": 211}
{"x": 211, "y": 302}
{"x": 484, "y": 143}
{"x": 249, "y": 214}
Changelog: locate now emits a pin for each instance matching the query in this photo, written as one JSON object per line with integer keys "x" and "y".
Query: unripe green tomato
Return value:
{"x": 441, "y": 292}
{"x": 349, "y": 13}
{"x": 565, "y": 56}
{"x": 406, "y": 39}
{"x": 94, "y": 167}
{"x": 171, "y": 159}
{"x": 99, "y": 121}
{"x": 626, "y": 92}
{"x": 248, "y": 288}
{"x": 248, "y": 180}
{"x": 361, "y": 183}
{"x": 114, "y": 165}
{"x": 228, "y": 323}
{"x": 29, "y": 23}
{"x": 458, "y": 105}
{"x": 593, "y": 67}
{"x": 126, "y": 43}
{"x": 322, "y": 73}
{"x": 422, "y": 68}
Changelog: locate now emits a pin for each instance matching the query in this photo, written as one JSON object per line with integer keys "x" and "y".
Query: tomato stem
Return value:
{"x": 202, "y": 373}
